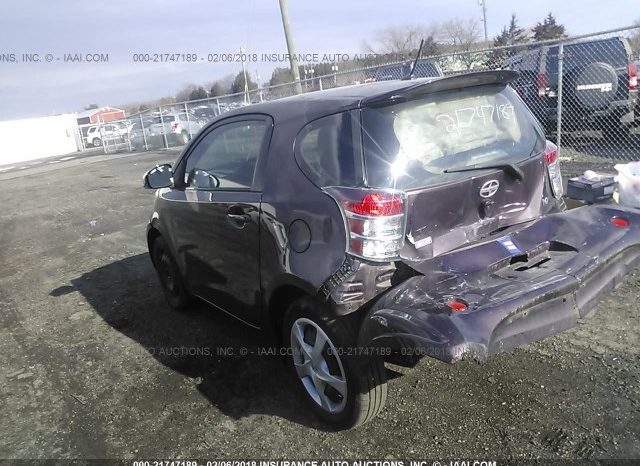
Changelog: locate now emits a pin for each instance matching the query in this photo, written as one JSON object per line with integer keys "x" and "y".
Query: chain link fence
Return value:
{"x": 583, "y": 90}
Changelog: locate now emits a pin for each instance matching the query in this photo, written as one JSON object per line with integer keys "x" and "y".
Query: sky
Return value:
{"x": 121, "y": 29}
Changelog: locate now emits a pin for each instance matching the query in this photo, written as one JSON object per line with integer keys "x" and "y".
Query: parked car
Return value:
{"x": 179, "y": 124}
{"x": 600, "y": 85}
{"x": 203, "y": 113}
{"x": 385, "y": 221}
{"x": 424, "y": 69}
{"x": 140, "y": 135}
{"x": 97, "y": 135}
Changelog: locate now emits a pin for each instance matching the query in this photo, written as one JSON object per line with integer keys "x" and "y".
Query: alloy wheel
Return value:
{"x": 318, "y": 366}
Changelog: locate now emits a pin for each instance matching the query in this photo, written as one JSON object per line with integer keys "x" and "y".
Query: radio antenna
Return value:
{"x": 415, "y": 62}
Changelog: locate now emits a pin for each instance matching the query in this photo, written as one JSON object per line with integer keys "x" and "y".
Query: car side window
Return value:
{"x": 227, "y": 156}
{"x": 325, "y": 151}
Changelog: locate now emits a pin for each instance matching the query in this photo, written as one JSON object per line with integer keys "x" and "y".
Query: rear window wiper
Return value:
{"x": 510, "y": 169}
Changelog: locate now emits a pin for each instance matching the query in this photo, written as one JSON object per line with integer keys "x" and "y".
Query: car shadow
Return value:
{"x": 232, "y": 364}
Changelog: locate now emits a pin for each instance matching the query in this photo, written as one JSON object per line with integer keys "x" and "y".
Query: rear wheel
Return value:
{"x": 184, "y": 137}
{"x": 170, "y": 279}
{"x": 343, "y": 388}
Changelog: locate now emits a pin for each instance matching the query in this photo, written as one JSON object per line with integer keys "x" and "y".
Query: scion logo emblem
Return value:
{"x": 489, "y": 188}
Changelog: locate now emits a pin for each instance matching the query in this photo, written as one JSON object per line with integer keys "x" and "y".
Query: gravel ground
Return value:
{"x": 86, "y": 371}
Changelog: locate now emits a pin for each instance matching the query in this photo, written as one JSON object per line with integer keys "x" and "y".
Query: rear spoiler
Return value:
{"x": 459, "y": 81}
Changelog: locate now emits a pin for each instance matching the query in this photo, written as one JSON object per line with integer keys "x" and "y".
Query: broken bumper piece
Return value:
{"x": 535, "y": 282}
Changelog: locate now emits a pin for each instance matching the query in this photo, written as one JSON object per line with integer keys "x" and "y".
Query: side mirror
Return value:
{"x": 158, "y": 177}
{"x": 202, "y": 179}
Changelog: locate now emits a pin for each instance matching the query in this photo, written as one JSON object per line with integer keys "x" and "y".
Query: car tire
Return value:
{"x": 184, "y": 137}
{"x": 359, "y": 391}
{"x": 171, "y": 281}
{"x": 97, "y": 142}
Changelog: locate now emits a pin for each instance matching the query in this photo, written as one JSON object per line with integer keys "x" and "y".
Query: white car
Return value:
{"x": 185, "y": 127}
{"x": 110, "y": 131}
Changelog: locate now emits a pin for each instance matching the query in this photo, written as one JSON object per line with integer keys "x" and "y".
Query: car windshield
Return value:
{"x": 410, "y": 145}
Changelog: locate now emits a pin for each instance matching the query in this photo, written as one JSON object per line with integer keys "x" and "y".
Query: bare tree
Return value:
{"x": 403, "y": 41}
{"x": 462, "y": 35}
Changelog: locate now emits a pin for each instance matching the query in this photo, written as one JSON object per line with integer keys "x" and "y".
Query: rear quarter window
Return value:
{"x": 324, "y": 151}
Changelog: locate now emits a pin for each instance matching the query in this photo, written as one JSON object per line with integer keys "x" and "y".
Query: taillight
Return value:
{"x": 375, "y": 221}
{"x": 620, "y": 222}
{"x": 553, "y": 169}
{"x": 633, "y": 76}
{"x": 456, "y": 305}
{"x": 542, "y": 83}
{"x": 174, "y": 125}
{"x": 377, "y": 205}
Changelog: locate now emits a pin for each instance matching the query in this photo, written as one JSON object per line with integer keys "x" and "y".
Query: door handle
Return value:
{"x": 240, "y": 218}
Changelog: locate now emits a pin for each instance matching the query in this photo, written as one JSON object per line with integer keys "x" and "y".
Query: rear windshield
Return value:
{"x": 410, "y": 144}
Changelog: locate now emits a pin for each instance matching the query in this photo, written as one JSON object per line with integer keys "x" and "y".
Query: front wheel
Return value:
{"x": 184, "y": 137}
{"x": 343, "y": 386}
{"x": 97, "y": 142}
{"x": 170, "y": 279}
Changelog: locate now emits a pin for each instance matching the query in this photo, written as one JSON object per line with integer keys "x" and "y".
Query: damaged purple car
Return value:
{"x": 383, "y": 222}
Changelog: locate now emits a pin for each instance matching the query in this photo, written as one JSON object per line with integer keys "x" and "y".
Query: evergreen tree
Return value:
{"x": 238, "y": 83}
{"x": 217, "y": 89}
{"x": 198, "y": 93}
{"x": 510, "y": 35}
{"x": 548, "y": 29}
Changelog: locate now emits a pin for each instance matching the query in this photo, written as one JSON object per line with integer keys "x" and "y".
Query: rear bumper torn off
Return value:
{"x": 572, "y": 259}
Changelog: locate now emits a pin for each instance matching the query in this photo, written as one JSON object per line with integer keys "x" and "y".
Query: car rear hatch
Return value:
{"x": 444, "y": 217}
{"x": 470, "y": 163}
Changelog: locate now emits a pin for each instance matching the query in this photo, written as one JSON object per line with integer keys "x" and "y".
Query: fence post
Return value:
{"x": 103, "y": 140}
{"x": 559, "y": 103}
{"x": 128, "y": 136}
{"x": 144, "y": 136}
{"x": 218, "y": 105}
{"x": 164, "y": 130}
{"x": 186, "y": 110}
{"x": 320, "y": 83}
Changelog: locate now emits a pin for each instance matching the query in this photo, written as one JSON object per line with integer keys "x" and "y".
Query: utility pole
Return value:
{"x": 259, "y": 85}
{"x": 293, "y": 61}
{"x": 483, "y": 4}
{"x": 244, "y": 74}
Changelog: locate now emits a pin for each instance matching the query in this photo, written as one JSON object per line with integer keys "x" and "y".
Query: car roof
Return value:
{"x": 312, "y": 105}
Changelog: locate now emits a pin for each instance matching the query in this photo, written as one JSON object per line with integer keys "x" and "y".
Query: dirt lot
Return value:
{"x": 89, "y": 366}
